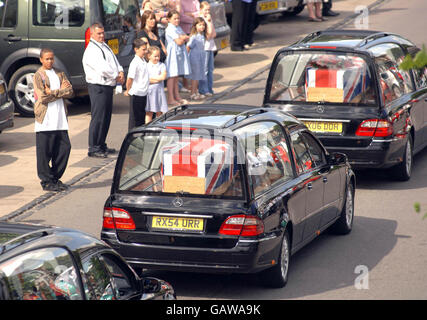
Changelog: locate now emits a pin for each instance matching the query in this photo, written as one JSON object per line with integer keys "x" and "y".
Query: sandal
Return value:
{"x": 174, "y": 103}
{"x": 315, "y": 20}
{"x": 183, "y": 101}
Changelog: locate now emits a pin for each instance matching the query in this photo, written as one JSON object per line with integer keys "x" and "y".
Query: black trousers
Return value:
{"x": 326, "y": 6}
{"x": 101, "y": 108}
{"x": 137, "y": 111}
{"x": 52, "y": 147}
{"x": 242, "y": 23}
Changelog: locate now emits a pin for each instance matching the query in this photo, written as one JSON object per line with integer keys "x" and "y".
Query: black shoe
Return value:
{"x": 330, "y": 13}
{"x": 109, "y": 150}
{"x": 50, "y": 186}
{"x": 236, "y": 48}
{"x": 62, "y": 186}
{"x": 97, "y": 154}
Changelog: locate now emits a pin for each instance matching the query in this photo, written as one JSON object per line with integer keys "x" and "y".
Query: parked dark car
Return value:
{"x": 49, "y": 263}
{"x": 6, "y": 107}
{"x": 346, "y": 86}
{"x": 225, "y": 188}
{"x": 63, "y": 25}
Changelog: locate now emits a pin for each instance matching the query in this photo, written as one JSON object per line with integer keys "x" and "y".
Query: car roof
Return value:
{"x": 348, "y": 39}
{"x": 20, "y": 237}
{"x": 217, "y": 116}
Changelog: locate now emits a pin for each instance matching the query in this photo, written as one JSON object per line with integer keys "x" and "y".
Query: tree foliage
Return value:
{"x": 418, "y": 62}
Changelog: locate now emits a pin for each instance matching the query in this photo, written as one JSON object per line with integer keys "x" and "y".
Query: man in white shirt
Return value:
{"x": 103, "y": 72}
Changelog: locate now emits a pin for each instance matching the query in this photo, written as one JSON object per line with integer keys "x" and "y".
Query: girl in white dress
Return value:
{"x": 177, "y": 62}
{"x": 156, "y": 100}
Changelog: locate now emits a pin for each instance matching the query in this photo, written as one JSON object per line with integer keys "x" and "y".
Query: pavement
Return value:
{"x": 20, "y": 189}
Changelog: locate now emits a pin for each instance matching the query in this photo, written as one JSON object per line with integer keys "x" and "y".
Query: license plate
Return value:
{"x": 177, "y": 224}
{"x": 269, "y": 5}
{"x": 224, "y": 43}
{"x": 317, "y": 126}
{"x": 114, "y": 45}
{"x": 2, "y": 89}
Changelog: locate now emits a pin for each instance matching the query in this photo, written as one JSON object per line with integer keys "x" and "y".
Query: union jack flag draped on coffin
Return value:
{"x": 353, "y": 78}
{"x": 199, "y": 166}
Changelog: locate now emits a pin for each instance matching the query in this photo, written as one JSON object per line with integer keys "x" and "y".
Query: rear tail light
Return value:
{"x": 115, "y": 218}
{"x": 375, "y": 128}
{"x": 87, "y": 37}
{"x": 242, "y": 225}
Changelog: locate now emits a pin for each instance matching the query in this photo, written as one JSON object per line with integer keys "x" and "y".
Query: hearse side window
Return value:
{"x": 8, "y": 13}
{"x": 316, "y": 151}
{"x": 98, "y": 285}
{"x": 43, "y": 274}
{"x": 122, "y": 284}
{"x": 59, "y": 13}
{"x": 420, "y": 77}
{"x": 267, "y": 154}
{"x": 394, "y": 82}
{"x": 304, "y": 162}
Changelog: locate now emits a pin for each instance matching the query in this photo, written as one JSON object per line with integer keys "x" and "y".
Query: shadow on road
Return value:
{"x": 374, "y": 179}
{"x": 7, "y": 191}
{"x": 328, "y": 263}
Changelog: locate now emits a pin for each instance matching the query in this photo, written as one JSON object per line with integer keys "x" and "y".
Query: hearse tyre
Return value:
{"x": 403, "y": 170}
{"x": 277, "y": 276}
{"x": 344, "y": 224}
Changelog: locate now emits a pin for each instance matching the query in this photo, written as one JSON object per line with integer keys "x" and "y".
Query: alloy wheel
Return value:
{"x": 349, "y": 208}
{"x": 24, "y": 92}
{"x": 284, "y": 257}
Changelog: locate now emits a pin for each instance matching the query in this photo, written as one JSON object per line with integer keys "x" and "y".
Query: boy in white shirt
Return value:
{"x": 52, "y": 142}
{"x": 137, "y": 85}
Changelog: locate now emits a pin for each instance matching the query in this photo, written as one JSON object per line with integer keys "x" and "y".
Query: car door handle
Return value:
{"x": 309, "y": 186}
{"x": 12, "y": 38}
{"x": 325, "y": 179}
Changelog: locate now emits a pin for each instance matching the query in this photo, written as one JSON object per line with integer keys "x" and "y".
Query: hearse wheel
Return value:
{"x": 402, "y": 171}
{"x": 277, "y": 276}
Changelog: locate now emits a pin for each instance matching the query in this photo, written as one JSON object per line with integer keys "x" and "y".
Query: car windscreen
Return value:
{"x": 184, "y": 163}
{"x": 115, "y": 11}
{"x": 313, "y": 77}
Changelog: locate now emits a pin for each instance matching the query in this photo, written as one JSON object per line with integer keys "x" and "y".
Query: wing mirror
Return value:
{"x": 156, "y": 289}
{"x": 337, "y": 158}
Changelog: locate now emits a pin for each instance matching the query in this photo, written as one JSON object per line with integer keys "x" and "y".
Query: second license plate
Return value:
{"x": 177, "y": 224}
{"x": 268, "y": 5}
{"x": 317, "y": 126}
{"x": 114, "y": 45}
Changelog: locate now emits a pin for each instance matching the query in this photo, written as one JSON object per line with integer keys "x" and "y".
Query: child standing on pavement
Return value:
{"x": 206, "y": 86}
{"x": 137, "y": 85}
{"x": 196, "y": 48}
{"x": 177, "y": 63}
{"x": 52, "y": 141}
{"x": 156, "y": 101}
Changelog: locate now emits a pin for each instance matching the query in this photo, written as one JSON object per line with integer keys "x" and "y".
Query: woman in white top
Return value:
{"x": 206, "y": 86}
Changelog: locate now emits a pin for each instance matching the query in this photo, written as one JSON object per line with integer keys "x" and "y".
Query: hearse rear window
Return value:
{"x": 185, "y": 164}
{"x": 322, "y": 77}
